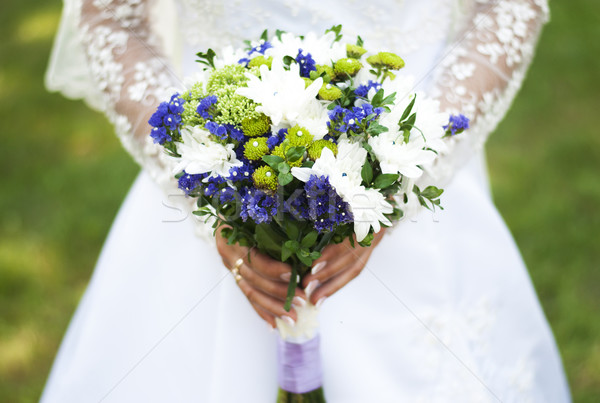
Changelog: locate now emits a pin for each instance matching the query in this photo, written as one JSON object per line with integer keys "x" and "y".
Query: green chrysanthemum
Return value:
{"x": 320, "y": 69}
{"x": 314, "y": 151}
{"x": 355, "y": 51}
{"x": 256, "y": 126}
{"x": 299, "y": 136}
{"x": 256, "y": 148}
{"x": 330, "y": 92}
{"x": 260, "y": 60}
{"x": 386, "y": 60}
{"x": 347, "y": 66}
{"x": 307, "y": 82}
{"x": 265, "y": 178}
{"x": 280, "y": 151}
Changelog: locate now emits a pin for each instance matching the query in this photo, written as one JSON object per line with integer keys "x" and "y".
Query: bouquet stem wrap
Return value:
{"x": 299, "y": 371}
{"x": 299, "y": 365}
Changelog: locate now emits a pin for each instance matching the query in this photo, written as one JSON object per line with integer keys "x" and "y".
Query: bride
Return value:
{"x": 443, "y": 308}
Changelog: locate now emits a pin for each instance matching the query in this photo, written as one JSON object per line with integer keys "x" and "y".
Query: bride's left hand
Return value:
{"x": 337, "y": 266}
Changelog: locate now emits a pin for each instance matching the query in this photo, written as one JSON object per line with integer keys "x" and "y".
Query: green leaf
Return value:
{"x": 304, "y": 258}
{"x": 287, "y": 60}
{"x": 315, "y": 255}
{"x": 292, "y": 245}
{"x": 385, "y": 180}
{"x": 284, "y": 179}
{"x": 278, "y": 33}
{"x": 265, "y": 35}
{"x": 367, "y": 172}
{"x": 291, "y": 289}
{"x": 295, "y": 153}
{"x": 285, "y": 253}
{"x": 268, "y": 240}
{"x": 408, "y": 110}
{"x": 310, "y": 239}
{"x": 291, "y": 229}
{"x": 207, "y": 58}
{"x": 283, "y": 167}
{"x": 376, "y": 129}
{"x": 336, "y": 29}
{"x": 272, "y": 160}
{"x": 359, "y": 41}
{"x": 432, "y": 192}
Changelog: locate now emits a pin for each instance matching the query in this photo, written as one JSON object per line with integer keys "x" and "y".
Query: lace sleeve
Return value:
{"x": 482, "y": 70}
{"x": 130, "y": 75}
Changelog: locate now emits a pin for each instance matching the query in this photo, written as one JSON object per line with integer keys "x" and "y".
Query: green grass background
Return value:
{"x": 63, "y": 176}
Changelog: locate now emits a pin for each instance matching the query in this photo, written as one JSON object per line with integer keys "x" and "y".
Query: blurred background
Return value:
{"x": 64, "y": 176}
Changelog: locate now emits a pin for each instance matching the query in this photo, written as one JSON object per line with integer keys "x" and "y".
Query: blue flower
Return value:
{"x": 235, "y": 133}
{"x": 326, "y": 209}
{"x": 212, "y": 185}
{"x": 188, "y": 182}
{"x": 258, "y": 206}
{"x": 260, "y": 48}
{"x": 276, "y": 139}
{"x": 216, "y": 129}
{"x": 363, "y": 90}
{"x": 176, "y": 104}
{"x": 306, "y": 62}
{"x": 457, "y": 124}
{"x": 226, "y": 195}
{"x": 244, "y": 61}
{"x": 160, "y": 135}
{"x": 297, "y": 205}
{"x": 244, "y": 172}
{"x": 205, "y": 108}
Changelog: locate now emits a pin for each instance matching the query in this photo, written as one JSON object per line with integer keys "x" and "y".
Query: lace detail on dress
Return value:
{"x": 462, "y": 362}
{"x": 132, "y": 77}
{"x": 482, "y": 70}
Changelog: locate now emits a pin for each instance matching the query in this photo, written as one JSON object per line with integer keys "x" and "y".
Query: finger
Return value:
{"x": 269, "y": 268}
{"x": 276, "y": 289}
{"x": 346, "y": 257}
{"x": 267, "y": 317}
{"x": 333, "y": 285}
{"x": 264, "y": 301}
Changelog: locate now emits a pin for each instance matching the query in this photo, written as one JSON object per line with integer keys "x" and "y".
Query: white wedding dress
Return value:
{"x": 443, "y": 312}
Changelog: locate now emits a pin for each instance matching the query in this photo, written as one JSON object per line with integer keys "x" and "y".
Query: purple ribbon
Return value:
{"x": 299, "y": 365}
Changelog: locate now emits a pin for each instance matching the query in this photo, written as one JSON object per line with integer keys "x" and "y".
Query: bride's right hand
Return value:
{"x": 264, "y": 281}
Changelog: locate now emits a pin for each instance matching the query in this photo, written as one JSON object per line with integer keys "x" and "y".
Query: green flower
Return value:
{"x": 299, "y": 136}
{"x": 355, "y": 51}
{"x": 330, "y": 92}
{"x": 231, "y": 108}
{"x": 386, "y": 60}
{"x": 323, "y": 68}
{"x": 347, "y": 66}
{"x": 307, "y": 82}
{"x": 265, "y": 178}
{"x": 256, "y": 148}
{"x": 314, "y": 151}
{"x": 260, "y": 60}
{"x": 256, "y": 126}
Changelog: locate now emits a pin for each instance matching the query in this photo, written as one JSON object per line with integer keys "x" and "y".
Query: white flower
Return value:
{"x": 199, "y": 154}
{"x": 396, "y": 156}
{"x": 228, "y": 55}
{"x": 283, "y": 97}
{"x": 368, "y": 206}
{"x": 320, "y": 47}
{"x": 429, "y": 123}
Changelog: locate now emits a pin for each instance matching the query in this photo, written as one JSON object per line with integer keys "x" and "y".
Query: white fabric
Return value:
{"x": 443, "y": 312}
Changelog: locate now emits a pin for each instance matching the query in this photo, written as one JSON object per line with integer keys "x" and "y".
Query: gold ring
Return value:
{"x": 235, "y": 270}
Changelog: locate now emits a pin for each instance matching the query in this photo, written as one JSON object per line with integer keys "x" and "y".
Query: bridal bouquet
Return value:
{"x": 297, "y": 142}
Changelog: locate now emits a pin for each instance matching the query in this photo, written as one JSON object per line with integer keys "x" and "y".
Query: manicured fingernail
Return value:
{"x": 286, "y": 276}
{"x": 320, "y": 302}
{"x": 311, "y": 287}
{"x": 298, "y": 301}
{"x": 317, "y": 268}
{"x": 288, "y": 320}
